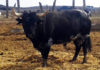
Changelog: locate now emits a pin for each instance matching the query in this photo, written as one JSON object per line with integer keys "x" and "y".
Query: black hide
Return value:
{"x": 57, "y": 28}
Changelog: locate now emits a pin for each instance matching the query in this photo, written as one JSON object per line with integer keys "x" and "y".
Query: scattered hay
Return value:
{"x": 17, "y": 52}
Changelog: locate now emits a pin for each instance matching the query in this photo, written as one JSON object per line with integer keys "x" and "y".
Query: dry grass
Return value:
{"x": 95, "y": 20}
{"x": 17, "y": 52}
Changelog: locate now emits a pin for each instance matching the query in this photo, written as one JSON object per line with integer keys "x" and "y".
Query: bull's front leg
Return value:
{"x": 44, "y": 53}
{"x": 44, "y": 50}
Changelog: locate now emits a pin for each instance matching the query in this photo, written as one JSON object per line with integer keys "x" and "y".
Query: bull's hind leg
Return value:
{"x": 85, "y": 52}
{"x": 77, "y": 43}
{"x": 86, "y": 46}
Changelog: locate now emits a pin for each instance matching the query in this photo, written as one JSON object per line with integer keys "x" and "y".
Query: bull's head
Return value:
{"x": 30, "y": 17}
{"x": 30, "y": 21}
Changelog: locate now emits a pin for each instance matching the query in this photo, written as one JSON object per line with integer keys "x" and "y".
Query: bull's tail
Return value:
{"x": 88, "y": 44}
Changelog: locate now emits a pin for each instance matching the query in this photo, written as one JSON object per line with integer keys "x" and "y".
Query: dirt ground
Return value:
{"x": 17, "y": 52}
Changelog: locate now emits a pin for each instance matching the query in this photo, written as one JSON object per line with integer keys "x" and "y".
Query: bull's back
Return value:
{"x": 65, "y": 24}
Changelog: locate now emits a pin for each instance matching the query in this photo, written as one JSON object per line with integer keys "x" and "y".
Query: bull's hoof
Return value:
{"x": 71, "y": 60}
{"x": 84, "y": 62}
{"x": 44, "y": 65}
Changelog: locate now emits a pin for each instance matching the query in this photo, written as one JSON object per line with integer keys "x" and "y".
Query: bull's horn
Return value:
{"x": 42, "y": 14}
{"x": 15, "y": 14}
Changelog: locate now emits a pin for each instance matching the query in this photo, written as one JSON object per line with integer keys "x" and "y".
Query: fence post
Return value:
{"x": 54, "y": 4}
{"x": 7, "y": 5}
{"x": 41, "y": 8}
{"x": 84, "y": 4}
{"x": 73, "y": 3}
{"x": 18, "y": 4}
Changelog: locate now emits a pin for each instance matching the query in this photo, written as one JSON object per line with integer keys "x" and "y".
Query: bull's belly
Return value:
{"x": 60, "y": 41}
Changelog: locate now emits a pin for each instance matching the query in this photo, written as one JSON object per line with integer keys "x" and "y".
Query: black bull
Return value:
{"x": 57, "y": 28}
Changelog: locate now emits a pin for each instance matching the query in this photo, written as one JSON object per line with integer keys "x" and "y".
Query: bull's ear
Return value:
{"x": 19, "y": 20}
